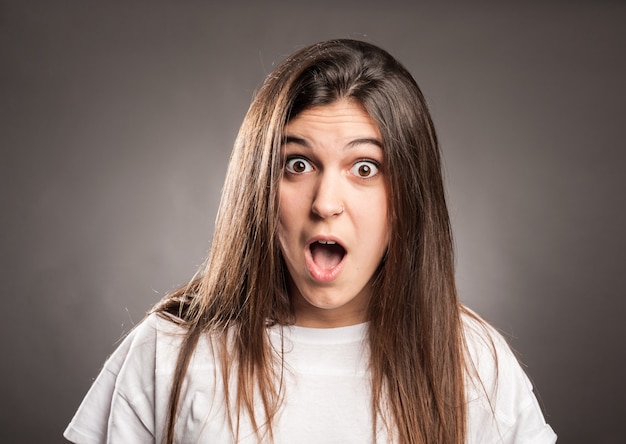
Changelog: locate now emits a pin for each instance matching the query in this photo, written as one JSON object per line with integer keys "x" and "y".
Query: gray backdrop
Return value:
{"x": 116, "y": 122}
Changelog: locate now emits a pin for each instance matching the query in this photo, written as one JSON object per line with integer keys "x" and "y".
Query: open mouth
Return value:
{"x": 326, "y": 254}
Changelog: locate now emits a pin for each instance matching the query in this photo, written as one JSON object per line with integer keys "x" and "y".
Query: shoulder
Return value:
{"x": 502, "y": 406}
{"x": 159, "y": 335}
{"x": 153, "y": 341}
{"x": 488, "y": 353}
{"x": 123, "y": 398}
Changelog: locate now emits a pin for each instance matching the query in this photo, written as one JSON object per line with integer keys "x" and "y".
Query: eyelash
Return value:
{"x": 308, "y": 167}
{"x": 371, "y": 164}
{"x": 291, "y": 160}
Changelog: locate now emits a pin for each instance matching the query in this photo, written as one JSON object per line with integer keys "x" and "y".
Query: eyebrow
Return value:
{"x": 360, "y": 141}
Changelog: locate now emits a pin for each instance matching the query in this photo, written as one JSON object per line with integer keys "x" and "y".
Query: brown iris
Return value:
{"x": 364, "y": 170}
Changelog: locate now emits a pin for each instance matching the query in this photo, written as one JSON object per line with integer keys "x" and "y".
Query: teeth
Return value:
{"x": 327, "y": 242}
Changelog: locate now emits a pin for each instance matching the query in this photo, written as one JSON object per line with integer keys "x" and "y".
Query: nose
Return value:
{"x": 327, "y": 201}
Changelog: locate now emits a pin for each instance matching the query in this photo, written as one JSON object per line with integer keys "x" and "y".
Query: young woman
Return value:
{"x": 327, "y": 309}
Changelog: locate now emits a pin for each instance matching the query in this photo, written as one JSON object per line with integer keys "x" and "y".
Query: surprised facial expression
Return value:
{"x": 334, "y": 227}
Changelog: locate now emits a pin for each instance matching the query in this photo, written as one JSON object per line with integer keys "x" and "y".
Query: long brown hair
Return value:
{"x": 415, "y": 335}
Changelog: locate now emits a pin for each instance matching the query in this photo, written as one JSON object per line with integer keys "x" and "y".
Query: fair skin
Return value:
{"x": 334, "y": 227}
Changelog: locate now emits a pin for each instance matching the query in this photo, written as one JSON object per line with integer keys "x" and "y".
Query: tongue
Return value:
{"x": 327, "y": 256}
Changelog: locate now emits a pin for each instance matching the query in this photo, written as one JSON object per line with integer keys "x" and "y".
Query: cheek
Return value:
{"x": 293, "y": 209}
{"x": 285, "y": 218}
{"x": 379, "y": 212}
{"x": 386, "y": 222}
{"x": 373, "y": 220}
{"x": 283, "y": 212}
{"x": 282, "y": 232}
{"x": 288, "y": 223}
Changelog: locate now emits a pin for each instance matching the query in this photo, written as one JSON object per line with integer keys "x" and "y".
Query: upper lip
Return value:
{"x": 326, "y": 239}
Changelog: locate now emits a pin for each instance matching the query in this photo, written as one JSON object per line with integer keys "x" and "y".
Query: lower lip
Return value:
{"x": 323, "y": 275}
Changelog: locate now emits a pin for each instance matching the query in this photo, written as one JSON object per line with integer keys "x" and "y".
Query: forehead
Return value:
{"x": 343, "y": 116}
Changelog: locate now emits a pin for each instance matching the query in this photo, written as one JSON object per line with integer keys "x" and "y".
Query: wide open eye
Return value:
{"x": 298, "y": 165}
{"x": 364, "y": 169}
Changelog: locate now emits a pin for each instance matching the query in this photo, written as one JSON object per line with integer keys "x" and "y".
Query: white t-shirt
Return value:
{"x": 326, "y": 398}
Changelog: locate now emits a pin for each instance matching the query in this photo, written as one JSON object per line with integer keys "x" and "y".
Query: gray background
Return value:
{"x": 117, "y": 119}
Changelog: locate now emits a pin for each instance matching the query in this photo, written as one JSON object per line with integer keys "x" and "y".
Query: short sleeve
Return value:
{"x": 119, "y": 406}
{"x": 502, "y": 407}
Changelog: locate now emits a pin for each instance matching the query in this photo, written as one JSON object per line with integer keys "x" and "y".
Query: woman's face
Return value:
{"x": 334, "y": 226}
